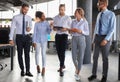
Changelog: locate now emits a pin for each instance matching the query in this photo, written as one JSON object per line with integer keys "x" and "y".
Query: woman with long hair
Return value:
{"x": 79, "y": 29}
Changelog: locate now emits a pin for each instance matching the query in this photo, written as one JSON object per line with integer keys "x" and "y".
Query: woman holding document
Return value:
{"x": 79, "y": 28}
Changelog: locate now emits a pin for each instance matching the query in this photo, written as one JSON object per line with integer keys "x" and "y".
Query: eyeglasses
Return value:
{"x": 100, "y": 3}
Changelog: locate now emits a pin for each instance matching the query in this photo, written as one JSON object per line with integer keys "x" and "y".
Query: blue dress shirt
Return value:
{"x": 41, "y": 30}
{"x": 108, "y": 24}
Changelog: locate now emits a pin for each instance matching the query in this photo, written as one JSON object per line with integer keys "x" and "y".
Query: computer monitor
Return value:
{"x": 4, "y": 35}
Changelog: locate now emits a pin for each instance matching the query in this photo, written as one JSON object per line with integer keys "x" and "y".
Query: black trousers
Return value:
{"x": 61, "y": 43}
{"x": 23, "y": 44}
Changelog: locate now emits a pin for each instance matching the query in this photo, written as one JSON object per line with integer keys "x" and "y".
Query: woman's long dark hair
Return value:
{"x": 38, "y": 14}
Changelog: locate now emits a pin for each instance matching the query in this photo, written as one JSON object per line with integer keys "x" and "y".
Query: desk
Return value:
{"x": 8, "y": 46}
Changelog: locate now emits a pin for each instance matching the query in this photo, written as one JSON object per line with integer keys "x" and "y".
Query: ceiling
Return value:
{"x": 7, "y": 4}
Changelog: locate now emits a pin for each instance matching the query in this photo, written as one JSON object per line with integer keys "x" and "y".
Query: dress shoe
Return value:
{"x": 104, "y": 79}
{"x": 62, "y": 68}
{"x": 29, "y": 74}
{"x": 22, "y": 73}
{"x": 92, "y": 77}
{"x": 61, "y": 72}
{"x": 43, "y": 71}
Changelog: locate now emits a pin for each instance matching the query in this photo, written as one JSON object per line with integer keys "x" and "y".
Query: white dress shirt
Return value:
{"x": 81, "y": 25}
{"x": 17, "y": 25}
{"x": 62, "y": 21}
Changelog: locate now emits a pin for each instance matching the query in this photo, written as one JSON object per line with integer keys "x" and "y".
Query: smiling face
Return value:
{"x": 101, "y": 5}
{"x": 62, "y": 10}
{"x": 24, "y": 10}
{"x": 43, "y": 17}
{"x": 77, "y": 15}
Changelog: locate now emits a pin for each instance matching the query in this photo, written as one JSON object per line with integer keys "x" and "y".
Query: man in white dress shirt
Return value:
{"x": 63, "y": 23}
{"x": 20, "y": 25}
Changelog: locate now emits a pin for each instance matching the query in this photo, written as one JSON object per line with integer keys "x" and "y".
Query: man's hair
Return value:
{"x": 62, "y": 5}
{"x": 105, "y": 1}
{"x": 25, "y": 5}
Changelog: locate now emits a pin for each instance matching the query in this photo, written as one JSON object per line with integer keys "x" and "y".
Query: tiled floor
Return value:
{"x": 51, "y": 70}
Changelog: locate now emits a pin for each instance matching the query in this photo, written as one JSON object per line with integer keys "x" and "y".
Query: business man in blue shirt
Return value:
{"x": 22, "y": 24}
{"x": 104, "y": 29}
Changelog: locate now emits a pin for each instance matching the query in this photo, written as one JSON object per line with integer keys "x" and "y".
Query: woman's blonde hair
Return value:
{"x": 81, "y": 12}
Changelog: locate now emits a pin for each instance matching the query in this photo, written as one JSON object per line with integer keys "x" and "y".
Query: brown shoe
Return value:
{"x": 61, "y": 72}
{"x": 38, "y": 69}
{"x": 43, "y": 71}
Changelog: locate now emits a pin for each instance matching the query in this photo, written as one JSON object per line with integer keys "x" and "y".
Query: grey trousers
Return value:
{"x": 78, "y": 50}
{"x": 105, "y": 52}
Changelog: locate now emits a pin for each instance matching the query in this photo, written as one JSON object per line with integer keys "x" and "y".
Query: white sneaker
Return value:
{"x": 77, "y": 78}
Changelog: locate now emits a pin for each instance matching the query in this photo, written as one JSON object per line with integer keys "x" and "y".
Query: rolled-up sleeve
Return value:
{"x": 54, "y": 21}
{"x": 30, "y": 22}
{"x": 35, "y": 33}
{"x": 69, "y": 22}
{"x": 48, "y": 28}
{"x": 86, "y": 28}
{"x": 12, "y": 29}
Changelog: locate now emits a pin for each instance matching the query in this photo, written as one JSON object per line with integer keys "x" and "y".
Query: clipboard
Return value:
{"x": 58, "y": 27}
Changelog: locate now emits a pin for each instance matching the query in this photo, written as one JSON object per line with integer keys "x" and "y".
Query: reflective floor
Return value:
{"x": 51, "y": 70}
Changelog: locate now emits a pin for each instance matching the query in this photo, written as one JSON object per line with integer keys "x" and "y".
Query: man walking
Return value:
{"x": 105, "y": 25}
{"x": 62, "y": 22}
{"x": 22, "y": 23}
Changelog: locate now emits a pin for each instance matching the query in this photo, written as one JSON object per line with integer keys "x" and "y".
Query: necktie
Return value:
{"x": 100, "y": 23}
{"x": 23, "y": 27}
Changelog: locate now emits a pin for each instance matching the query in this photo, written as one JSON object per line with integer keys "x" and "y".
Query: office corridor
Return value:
{"x": 51, "y": 70}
